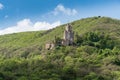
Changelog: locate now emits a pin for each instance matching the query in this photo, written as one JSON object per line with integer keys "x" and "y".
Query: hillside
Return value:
{"x": 95, "y": 56}
{"x": 17, "y": 41}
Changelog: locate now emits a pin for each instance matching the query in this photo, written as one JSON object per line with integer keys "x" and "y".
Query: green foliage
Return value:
{"x": 93, "y": 76}
{"x": 95, "y": 54}
{"x": 95, "y": 39}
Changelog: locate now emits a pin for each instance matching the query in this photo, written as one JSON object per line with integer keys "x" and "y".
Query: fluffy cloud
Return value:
{"x": 6, "y": 16}
{"x": 27, "y": 25}
{"x": 1, "y": 6}
{"x": 61, "y": 9}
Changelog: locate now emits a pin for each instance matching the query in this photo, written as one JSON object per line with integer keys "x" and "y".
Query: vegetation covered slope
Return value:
{"x": 94, "y": 56}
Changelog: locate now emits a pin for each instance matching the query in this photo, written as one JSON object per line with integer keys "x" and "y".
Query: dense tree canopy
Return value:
{"x": 95, "y": 54}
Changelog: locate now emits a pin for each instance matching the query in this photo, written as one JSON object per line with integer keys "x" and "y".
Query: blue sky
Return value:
{"x": 33, "y": 15}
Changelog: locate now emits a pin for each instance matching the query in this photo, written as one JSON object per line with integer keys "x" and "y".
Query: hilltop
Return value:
{"x": 96, "y": 54}
{"x": 18, "y": 41}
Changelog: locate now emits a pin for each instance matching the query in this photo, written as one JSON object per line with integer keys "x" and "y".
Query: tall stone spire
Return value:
{"x": 68, "y": 37}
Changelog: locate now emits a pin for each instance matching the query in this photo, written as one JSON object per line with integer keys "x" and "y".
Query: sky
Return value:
{"x": 34, "y": 15}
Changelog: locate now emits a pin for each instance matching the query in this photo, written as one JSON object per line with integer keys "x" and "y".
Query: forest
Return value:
{"x": 95, "y": 54}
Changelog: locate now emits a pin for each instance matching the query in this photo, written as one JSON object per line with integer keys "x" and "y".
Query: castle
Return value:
{"x": 68, "y": 38}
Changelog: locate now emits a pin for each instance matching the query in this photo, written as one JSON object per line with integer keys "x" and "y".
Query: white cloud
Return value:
{"x": 61, "y": 9}
{"x": 27, "y": 25}
{"x": 1, "y": 6}
{"x": 6, "y": 16}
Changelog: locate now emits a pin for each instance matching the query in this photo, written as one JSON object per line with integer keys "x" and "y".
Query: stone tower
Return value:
{"x": 68, "y": 37}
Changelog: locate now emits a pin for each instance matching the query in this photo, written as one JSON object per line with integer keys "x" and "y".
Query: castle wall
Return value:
{"x": 68, "y": 38}
{"x": 49, "y": 46}
{"x": 68, "y": 35}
